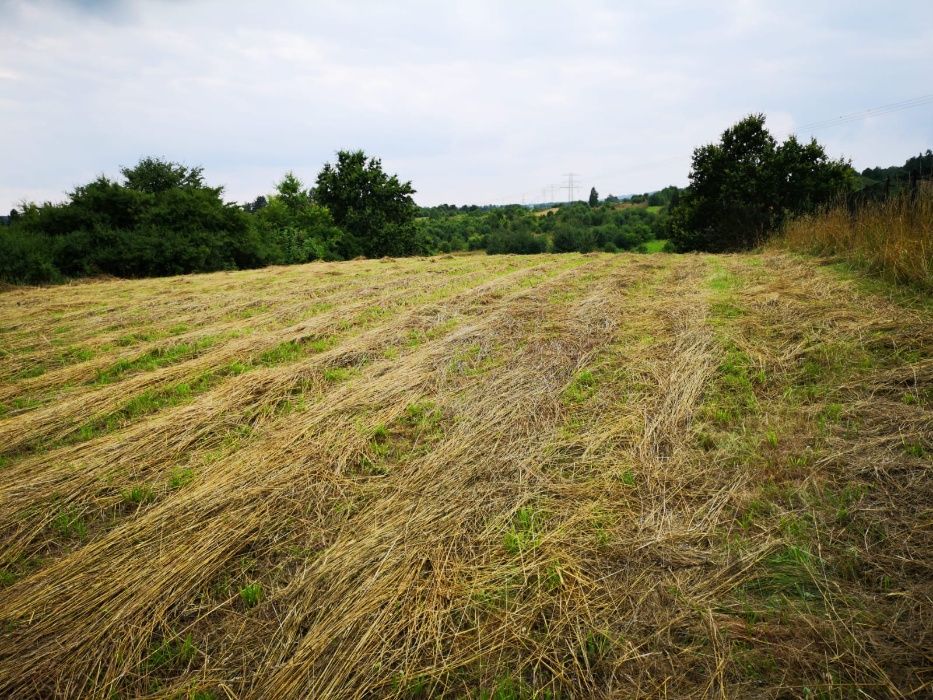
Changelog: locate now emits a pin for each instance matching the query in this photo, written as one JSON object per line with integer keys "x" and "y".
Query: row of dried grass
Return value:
{"x": 92, "y": 474}
{"x": 86, "y": 402}
{"x": 291, "y": 308}
{"x": 238, "y": 499}
{"x": 399, "y": 585}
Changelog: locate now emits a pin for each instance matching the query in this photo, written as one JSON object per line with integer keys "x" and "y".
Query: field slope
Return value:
{"x": 474, "y": 476}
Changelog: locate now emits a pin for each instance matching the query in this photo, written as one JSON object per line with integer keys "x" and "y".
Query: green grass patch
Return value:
{"x": 725, "y": 309}
{"x": 70, "y": 523}
{"x": 731, "y": 398}
{"x": 723, "y": 281}
{"x": 581, "y": 387}
{"x": 509, "y": 688}
{"x": 158, "y": 357}
{"x": 288, "y": 351}
{"x": 789, "y": 574}
{"x": 523, "y": 534}
{"x": 171, "y": 654}
{"x": 423, "y": 415}
{"x": 30, "y": 372}
{"x": 143, "y": 336}
{"x": 139, "y": 495}
{"x": 73, "y": 355}
{"x": 337, "y": 374}
{"x": 251, "y": 594}
{"x": 20, "y": 404}
{"x": 320, "y": 344}
{"x": 180, "y": 477}
{"x": 471, "y": 361}
{"x": 656, "y": 245}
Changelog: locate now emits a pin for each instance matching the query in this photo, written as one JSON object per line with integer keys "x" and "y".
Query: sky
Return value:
{"x": 474, "y": 101}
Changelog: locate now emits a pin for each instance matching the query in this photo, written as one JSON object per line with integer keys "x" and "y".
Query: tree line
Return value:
{"x": 576, "y": 227}
{"x": 162, "y": 218}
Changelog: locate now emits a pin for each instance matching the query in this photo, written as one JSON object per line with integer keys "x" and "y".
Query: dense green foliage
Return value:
{"x": 517, "y": 229}
{"x": 375, "y": 210}
{"x": 744, "y": 187}
{"x": 162, "y": 219}
{"x": 879, "y": 183}
{"x": 296, "y": 229}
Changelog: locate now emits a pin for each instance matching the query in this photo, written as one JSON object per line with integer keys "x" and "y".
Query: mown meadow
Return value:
{"x": 476, "y": 476}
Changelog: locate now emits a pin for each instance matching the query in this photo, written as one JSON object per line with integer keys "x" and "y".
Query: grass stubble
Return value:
{"x": 570, "y": 476}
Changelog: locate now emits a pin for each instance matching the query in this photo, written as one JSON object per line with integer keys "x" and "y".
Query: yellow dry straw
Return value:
{"x": 398, "y": 584}
{"x": 92, "y": 466}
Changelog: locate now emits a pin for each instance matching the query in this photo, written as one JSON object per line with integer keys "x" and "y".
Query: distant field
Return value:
{"x": 475, "y": 476}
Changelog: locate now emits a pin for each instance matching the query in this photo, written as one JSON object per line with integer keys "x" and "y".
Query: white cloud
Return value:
{"x": 473, "y": 101}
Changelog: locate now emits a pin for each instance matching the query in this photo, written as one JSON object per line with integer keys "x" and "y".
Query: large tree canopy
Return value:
{"x": 161, "y": 220}
{"x": 742, "y": 188}
{"x": 375, "y": 210}
{"x": 156, "y": 175}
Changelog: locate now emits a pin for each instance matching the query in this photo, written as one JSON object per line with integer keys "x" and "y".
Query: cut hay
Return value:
{"x": 497, "y": 477}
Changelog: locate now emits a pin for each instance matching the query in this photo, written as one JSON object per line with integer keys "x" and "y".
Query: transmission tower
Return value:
{"x": 570, "y": 186}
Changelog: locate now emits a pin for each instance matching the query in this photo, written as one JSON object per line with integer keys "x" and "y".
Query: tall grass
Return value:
{"x": 893, "y": 237}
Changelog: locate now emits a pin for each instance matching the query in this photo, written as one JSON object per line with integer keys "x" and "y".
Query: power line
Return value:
{"x": 570, "y": 187}
{"x": 870, "y": 112}
{"x": 881, "y": 110}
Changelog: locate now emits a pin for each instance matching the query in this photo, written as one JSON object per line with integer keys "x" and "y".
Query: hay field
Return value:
{"x": 475, "y": 476}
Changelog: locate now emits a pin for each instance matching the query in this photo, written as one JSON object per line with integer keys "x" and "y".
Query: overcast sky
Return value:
{"x": 475, "y": 102}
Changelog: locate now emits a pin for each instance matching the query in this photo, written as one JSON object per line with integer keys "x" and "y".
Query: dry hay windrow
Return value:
{"x": 62, "y": 419}
{"x": 37, "y": 320}
{"x": 152, "y": 316}
{"x": 110, "y": 316}
{"x": 89, "y": 478}
{"x": 247, "y": 475}
{"x": 637, "y": 476}
{"x": 212, "y": 346}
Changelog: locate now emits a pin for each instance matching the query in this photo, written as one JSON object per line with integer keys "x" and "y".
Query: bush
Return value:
{"x": 476, "y": 242}
{"x": 26, "y": 259}
{"x": 568, "y": 239}
{"x": 162, "y": 220}
{"x": 294, "y": 228}
{"x": 520, "y": 241}
{"x": 374, "y": 209}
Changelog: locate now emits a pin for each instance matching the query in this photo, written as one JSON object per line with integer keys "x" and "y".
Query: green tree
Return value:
{"x": 570, "y": 238}
{"x": 375, "y": 210}
{"x": 161, "y": 220}
{"x": 155, "y": 175}
{"x": 290, "y": 191}
{"x": 742, "y": 188}
{"x": 297, "y": 229}
{"x": 594, "y": 197}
